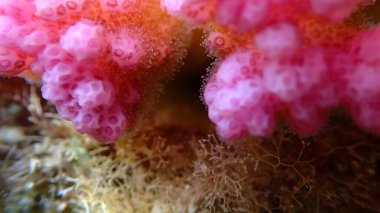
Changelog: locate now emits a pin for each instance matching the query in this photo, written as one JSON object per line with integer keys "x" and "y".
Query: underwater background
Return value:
{"x": 171, "y": 155}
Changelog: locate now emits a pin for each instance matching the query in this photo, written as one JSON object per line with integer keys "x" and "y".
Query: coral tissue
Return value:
{"x": 93, "y": 56}
{"x": 288, "y": 60}
{"x": 292, "y": 60}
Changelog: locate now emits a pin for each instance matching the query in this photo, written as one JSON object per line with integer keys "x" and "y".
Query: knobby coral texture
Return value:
{"x": 289, "y": 60}
{"x": 96, "y": 58}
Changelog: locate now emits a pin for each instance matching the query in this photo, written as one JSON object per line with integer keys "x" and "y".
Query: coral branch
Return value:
{"x": 98, "y": 59}
{"x": 289, "y": 59}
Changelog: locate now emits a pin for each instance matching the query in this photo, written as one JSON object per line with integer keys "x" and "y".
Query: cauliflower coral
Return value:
{"x": 97, "y": 59}
{"x": 292, "y": 60}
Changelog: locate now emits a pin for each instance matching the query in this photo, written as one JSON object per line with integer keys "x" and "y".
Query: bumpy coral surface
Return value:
{"x": 290, "y": 59}
{"x": 97, "y": 59}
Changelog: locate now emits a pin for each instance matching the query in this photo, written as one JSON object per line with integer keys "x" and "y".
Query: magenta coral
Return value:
{"x": 195, "y": 11}
{"x": 87, "y": 54}
{"x": 245, "y": 15}
{"x": 118, "y": 5}
{"x": 126, "y": 48}
{"x": 57, "y": 9}
{"x": 288, "y": 59}
{"x": 293, "y": 60}
{"x": 84, "y": 40}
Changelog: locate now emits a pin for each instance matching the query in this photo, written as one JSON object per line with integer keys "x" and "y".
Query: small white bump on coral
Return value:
{"x": 84, "y": 40}
{"x": 126, "y": 48}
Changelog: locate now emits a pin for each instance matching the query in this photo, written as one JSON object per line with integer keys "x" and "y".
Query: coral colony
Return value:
{"x": 94, "y": 57}
{"x": 292, "y": 60}
{"x": 288, "y": 59}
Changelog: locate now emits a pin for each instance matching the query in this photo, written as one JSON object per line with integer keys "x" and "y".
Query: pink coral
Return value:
{"x": 245, "y": 15}
{"x": 196, "y": 11}
{"x": 334, "y": 9}
{"x": 117, "y": 5}
{"x": 278, "y": 40}
{"x": 84, "y": 40}
{"x": 57, "y": 9}
{"x": 291, "y": 60}
{"x": 86, "y": 53}
{"x": 247, "y": 91}
{"x": 126, "y": 48}
{"x": 13, "y": 61}
{"x": 85, "y": 99}
{"x": 242, "y": 14}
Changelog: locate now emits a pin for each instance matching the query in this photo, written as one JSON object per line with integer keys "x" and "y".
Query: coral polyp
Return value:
{"x": 95, "y": 58}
